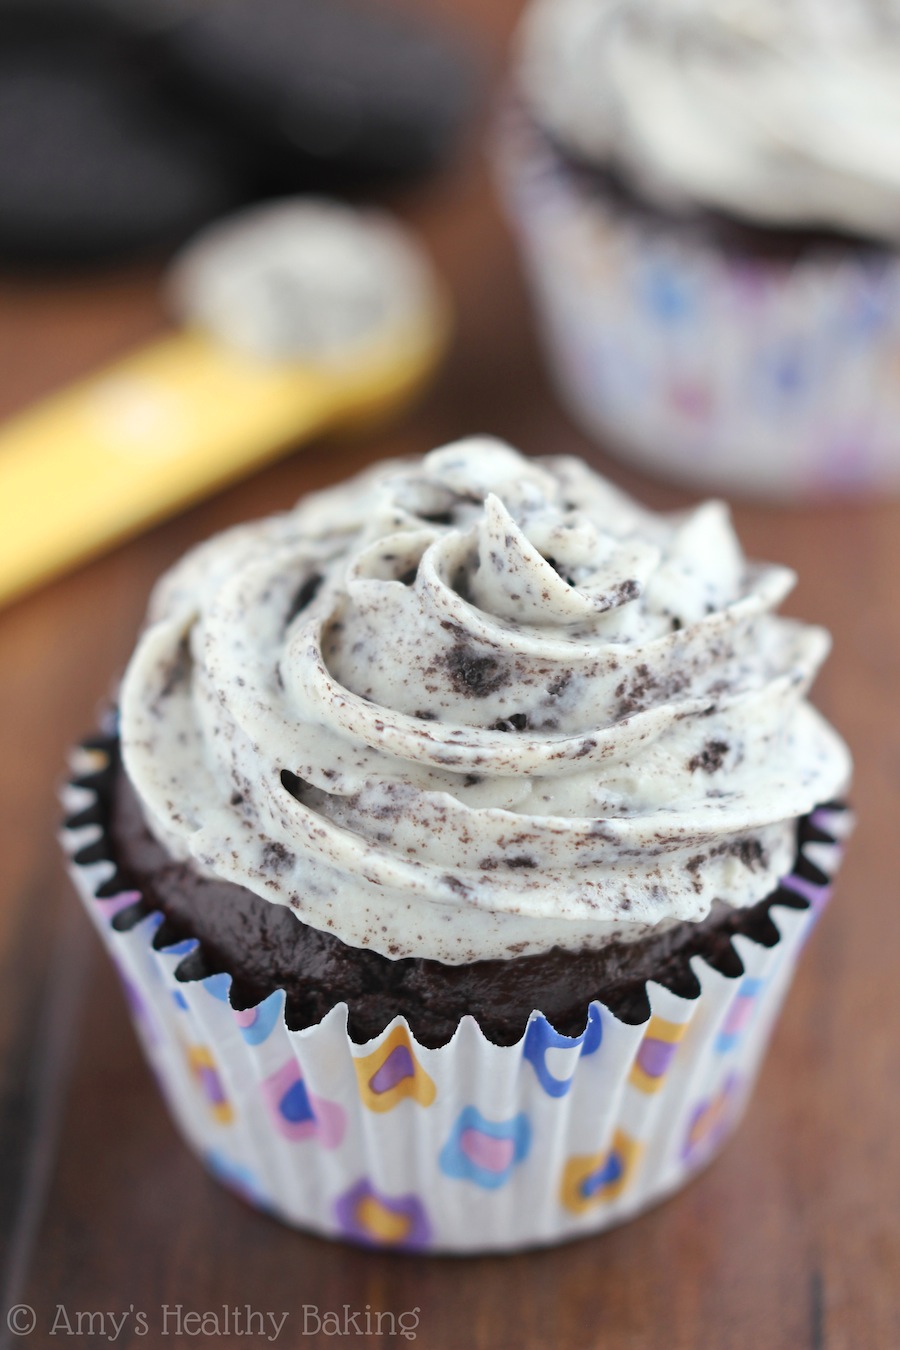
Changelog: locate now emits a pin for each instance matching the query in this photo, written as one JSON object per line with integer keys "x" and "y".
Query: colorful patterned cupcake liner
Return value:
{"x": 466, "y": 1148}
{"x": 699, "y": 362}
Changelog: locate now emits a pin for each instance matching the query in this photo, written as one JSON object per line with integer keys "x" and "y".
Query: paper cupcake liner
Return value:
{"x": 699, "y": 362}
{"x": 467, "y": 1148}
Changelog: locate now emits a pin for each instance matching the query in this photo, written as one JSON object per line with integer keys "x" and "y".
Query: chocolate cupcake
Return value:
{"x": 437, "y": 810}
{"x": 708, "y": 204}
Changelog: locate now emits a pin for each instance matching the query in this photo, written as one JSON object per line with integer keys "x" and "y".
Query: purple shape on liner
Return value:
{"x": 114, "y": 904}
{"x": 137, "y": 1006}
{"x": 212, "y": 1085}
{"x": 847, "y": 460}
{"x": 492, "y": 1153}
{"x": 692, "y": 400}
{"x": 808, "y": 890}
{"x": 711, "y": 1122}
{"x": 410, "y": 1207}
{"x": 397, "y": 1066}
{"x": 654, "y": 1056}
{"x": 750, "y": 284}
{"x": 133, "y": 997}
{"x": 824, "y": 819}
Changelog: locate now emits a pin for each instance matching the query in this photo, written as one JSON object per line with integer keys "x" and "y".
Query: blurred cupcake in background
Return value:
{"x": 707, "y": 194}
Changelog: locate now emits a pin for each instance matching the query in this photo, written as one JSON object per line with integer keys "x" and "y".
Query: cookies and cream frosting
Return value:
{"x": 477, "y": 705}
{"x": 780, "y": 112}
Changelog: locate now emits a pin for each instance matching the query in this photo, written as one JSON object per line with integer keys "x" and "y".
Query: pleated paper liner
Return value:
{"x": 722, "y": 369}
{"x": 467, "y": 1148}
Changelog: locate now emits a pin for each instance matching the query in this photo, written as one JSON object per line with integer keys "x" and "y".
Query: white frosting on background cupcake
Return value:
{"x": 476, "y": 705}
{"x": 780, "y": 112}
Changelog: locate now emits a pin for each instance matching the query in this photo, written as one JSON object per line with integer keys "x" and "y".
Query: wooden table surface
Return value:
{"x": 791, "y": 1239}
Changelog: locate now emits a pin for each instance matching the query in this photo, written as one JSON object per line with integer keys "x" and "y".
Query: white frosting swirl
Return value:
{"x": 781, "y": 112}
{"x": 478, "y": 705}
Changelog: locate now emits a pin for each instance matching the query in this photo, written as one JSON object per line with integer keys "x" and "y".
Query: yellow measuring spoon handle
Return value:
{"x": 161, "y": 428}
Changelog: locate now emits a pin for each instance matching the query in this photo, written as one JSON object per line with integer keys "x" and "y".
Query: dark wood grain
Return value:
{"x": 790, "y": 1240}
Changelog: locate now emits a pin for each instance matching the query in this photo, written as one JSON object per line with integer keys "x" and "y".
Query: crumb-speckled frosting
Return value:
{"x": 782, "y": 112}
{"x": 477, "y": 705}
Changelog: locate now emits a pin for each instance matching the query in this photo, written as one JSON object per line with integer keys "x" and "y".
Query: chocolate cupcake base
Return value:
{"x": 265, "y": 947}
{"x": 466, "y": 1147}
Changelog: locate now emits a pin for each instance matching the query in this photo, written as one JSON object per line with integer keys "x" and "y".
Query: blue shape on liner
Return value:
{"x": 218, "y": 986}
{"x": 182, "y": 948}
{"x": 455, "y": 1158}
{"x": 781, "y": 375}
{"x": 872, "y": 306}
{"x": 788, "y": 374}
{"x": 267, "y": 1014}
{"x": 239, "y": 1178}
{"x": 179, "y": 1000}
{"x": 541, "y": 1037}
{"x": 750, "y": 987}
{"x": 666, "y": 294}
{"x": 604, "y": 1176}
{"x": 295, "y": 1105}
